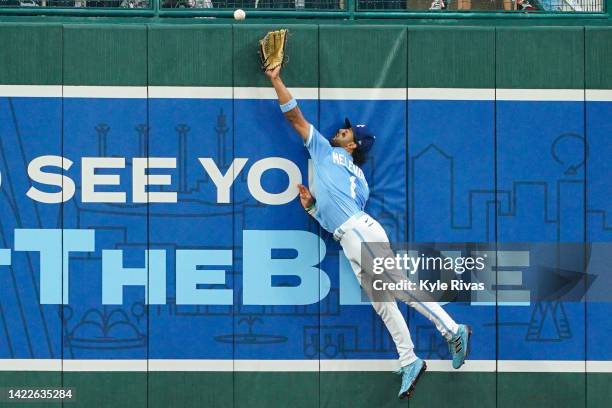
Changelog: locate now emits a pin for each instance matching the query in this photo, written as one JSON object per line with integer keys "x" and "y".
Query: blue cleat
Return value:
{"x": 410, "y": 375}
{"x": 459, "y": 345}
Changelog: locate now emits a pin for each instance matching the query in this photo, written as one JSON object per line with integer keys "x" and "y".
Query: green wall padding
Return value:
{"x": 363, "y": 57}
{"x": 451, "y": 57}
{"x": 598, "y": 57}
{"x": 540, "y": 58}
{"x": 195, "y": 55}
{"x": 105, "y": 55}
{"x": 31, "y": 54}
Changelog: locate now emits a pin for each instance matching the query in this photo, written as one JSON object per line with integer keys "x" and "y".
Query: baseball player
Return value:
{"x": 341, "y": 195}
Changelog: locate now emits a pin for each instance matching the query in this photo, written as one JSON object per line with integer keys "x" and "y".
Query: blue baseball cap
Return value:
{"x": 363, "y": 136}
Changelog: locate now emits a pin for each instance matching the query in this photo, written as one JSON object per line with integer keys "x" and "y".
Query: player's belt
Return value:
{"x": 348, "y": 225}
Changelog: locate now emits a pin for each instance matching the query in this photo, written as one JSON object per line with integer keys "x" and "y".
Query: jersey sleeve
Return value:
{"x": 317, "y": 145}
{"x": 314, "y": 212}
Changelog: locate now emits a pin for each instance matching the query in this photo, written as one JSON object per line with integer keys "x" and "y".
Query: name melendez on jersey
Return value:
{"x": 341, "y": 160}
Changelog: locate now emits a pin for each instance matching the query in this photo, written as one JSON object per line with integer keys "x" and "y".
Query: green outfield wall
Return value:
{"x": 447, "y": 62}
{"x": 212, "y": 55}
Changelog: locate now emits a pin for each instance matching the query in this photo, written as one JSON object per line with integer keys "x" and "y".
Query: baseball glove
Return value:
{"x": 272, "y": 49}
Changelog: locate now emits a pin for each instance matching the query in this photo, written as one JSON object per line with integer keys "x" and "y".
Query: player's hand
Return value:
{"x": 305, "y": 197}
{"x": 273, "y": 73}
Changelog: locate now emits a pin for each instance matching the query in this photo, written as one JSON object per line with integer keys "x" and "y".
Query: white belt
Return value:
{"x": 348, "y": 225}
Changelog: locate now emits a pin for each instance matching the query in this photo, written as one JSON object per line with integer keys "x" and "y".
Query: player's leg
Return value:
{"x": 412, "y": 367}
{"x": 457, "y": 336}
{"x": 437, "y": 315}
{"x": 372, "y": 231}
{"x": 388, "y": 311}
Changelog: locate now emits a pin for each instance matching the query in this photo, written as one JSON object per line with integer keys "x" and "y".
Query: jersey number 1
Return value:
{"x": 353, "y": 186}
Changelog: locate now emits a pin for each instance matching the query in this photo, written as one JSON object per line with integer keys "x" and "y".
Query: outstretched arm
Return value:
{"x": 294, "y": 116}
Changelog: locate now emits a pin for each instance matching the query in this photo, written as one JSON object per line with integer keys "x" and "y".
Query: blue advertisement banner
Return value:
{"x": 170, "y": 228}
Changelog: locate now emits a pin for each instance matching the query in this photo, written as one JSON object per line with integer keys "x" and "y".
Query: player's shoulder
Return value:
{"x": 338, "y": 151}
{"x": 315, "y": 135}
{"x": 315, "y": 131}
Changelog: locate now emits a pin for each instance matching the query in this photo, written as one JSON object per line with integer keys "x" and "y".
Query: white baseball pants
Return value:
{"x": 363, "y": 228}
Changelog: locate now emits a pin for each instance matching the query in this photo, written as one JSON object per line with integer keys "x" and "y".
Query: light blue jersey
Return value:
{"x": 339, "y": 186}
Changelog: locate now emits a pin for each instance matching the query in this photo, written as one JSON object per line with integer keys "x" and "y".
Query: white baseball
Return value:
{"x": 239, "y": 14}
